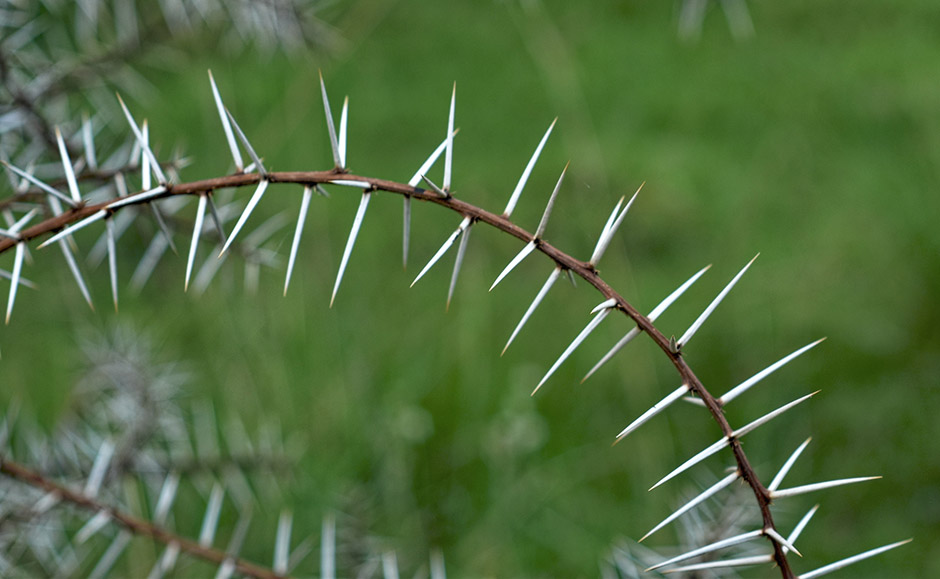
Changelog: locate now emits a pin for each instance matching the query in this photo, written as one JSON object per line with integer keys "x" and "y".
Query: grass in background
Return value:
{"x": 816, "y": 143}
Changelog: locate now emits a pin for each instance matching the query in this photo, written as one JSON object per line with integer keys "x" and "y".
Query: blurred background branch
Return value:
{"x": 816, "y": 142}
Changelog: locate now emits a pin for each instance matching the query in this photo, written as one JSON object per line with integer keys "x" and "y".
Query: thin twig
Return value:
{"x": 135, "y": 525}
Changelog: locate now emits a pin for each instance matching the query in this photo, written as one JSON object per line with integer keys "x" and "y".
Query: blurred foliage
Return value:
{"x": 816, "y": 142}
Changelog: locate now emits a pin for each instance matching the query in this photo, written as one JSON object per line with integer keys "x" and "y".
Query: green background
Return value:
{"x": 816, "y": 143}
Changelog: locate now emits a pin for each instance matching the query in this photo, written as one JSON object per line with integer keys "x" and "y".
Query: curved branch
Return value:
{"x": 583, "y": 269}
{"x": 135, "y": 525}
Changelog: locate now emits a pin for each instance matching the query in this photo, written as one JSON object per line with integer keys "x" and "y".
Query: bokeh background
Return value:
{"x": 815, "y": 142}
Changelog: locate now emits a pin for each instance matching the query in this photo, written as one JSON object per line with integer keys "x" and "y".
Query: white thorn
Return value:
{"x": 194, "y": 244}
{"x": 730, "y": 541}
{"x": 778, "y": 478}
{"x": 301, "y": 218}
{"x": 605, "y": 309}
{"x": 800, "y": 490}
{"x": 543, "y": 223}
{"x": 350, "y": 242}
{"x": 447, "y": 244}
{"x": 743, "y": 386}
{"x": 334, "y": 145}
{"x": 526, "y": 250}
{"x": 710, "y": 491}
{"x": 653, "y": 411}
{"x": 227, "y": 127}
{"x": 259, "y": 192}
{"x": 552, "y": 278}
{"x": 850, "y": 560}
{"x": 449, "y": 153}
{"x": 711, "y": 307}
{"x": 343, "y": 119}
{"x": 143, "y": 143}
{"x": 461, "y": 251}
{"x": 514, "y": 198}
{"x": 67, "y": 166}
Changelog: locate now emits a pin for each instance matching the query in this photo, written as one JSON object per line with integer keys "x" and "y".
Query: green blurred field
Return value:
{"x": 816, "y": 143}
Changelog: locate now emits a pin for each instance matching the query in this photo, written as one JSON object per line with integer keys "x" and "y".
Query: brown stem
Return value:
{"x": 583, "y": 269}
{"x": 133, "y": 524}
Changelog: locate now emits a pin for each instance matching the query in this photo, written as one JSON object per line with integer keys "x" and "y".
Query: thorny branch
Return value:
{"x": 135, "y": 525}
{"x": 583, "y": 269}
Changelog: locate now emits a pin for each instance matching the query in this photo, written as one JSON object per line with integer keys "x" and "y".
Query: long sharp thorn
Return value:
{"x": 353, "y": 233}
{"x": 850, "y": 560}
{"x": 722, "y": 564}
{"x": 208, "y": 270}
{"x": 778, "y": 538}
{"x": 15, "y": 278}
{"x": 298, "y": 231}
{"x": 161, "y": 223}
{"x": 710, "y": 491}
{"x": 334, "y": 144}
{"x": 449, "y": 151}
{"x": 751, "y": 426}
{"x": 626, "y": 339}
{"x": 552, "y": 278}
{"x": 91, "y": 159}
{"x": 351, "y": 183}
{"x": 145, "y": 175}
{"x": 282, "y": 543}
{"x": 251, "y": 150}
{"x": 97, "y": 216}
{"x": 406, "y": 206}
{"x": 22, "y": 221}
{"x": 328, "y": 548}
{"x": 730, "y": 541}
{"x": 711, "y": 307}
{"x": 606, "y": 304}
{"x": 194, "y": 244}
{"x": 608, "y": 234}
{"x": 656, "y": 409}
{"x": 603, "y": 313}
{"x": 529, "y": 248}
{"x": 443, "y": 193}
{"x": 743, "y": 386}
{"x": 543, "y": 223}
{"x": 610, "y": 222}
{"x": 210, "y": 521}
{"x": 514, "y": 198}
{"x": 143, "y": 143}
{"x": 99, "y": 468}
{"x": 389, "y": 565}
{"x": 216, "y": 218}
{"x": 76, "y": 273}
{"x": 67, "y": 166}
{"x": 437, "y": 565}
{"x": 112, "y": 261}
{"x": 259, "y": 192}
{"x": 803, "y": 489}
{"x": 726, "y": 441}
{"x": 405, "y": 230}
{"x": 710, "y": 450}
{"x": 440, "y": 252}
{"x": 429, "y": 162}
{"x": 802, "y": 524}
{"x": 227, "y": 127}
{"x": 94, "y": 524}
{"x": 137, "y": 198}
{"x": 461, "y": 251}
{"x": 23, "y": 282}
{"x": 663, "y": 305}
{"x": 343, "y": 118}
{"x": 48, "y": 189}
{"x": 778, "y": 478}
